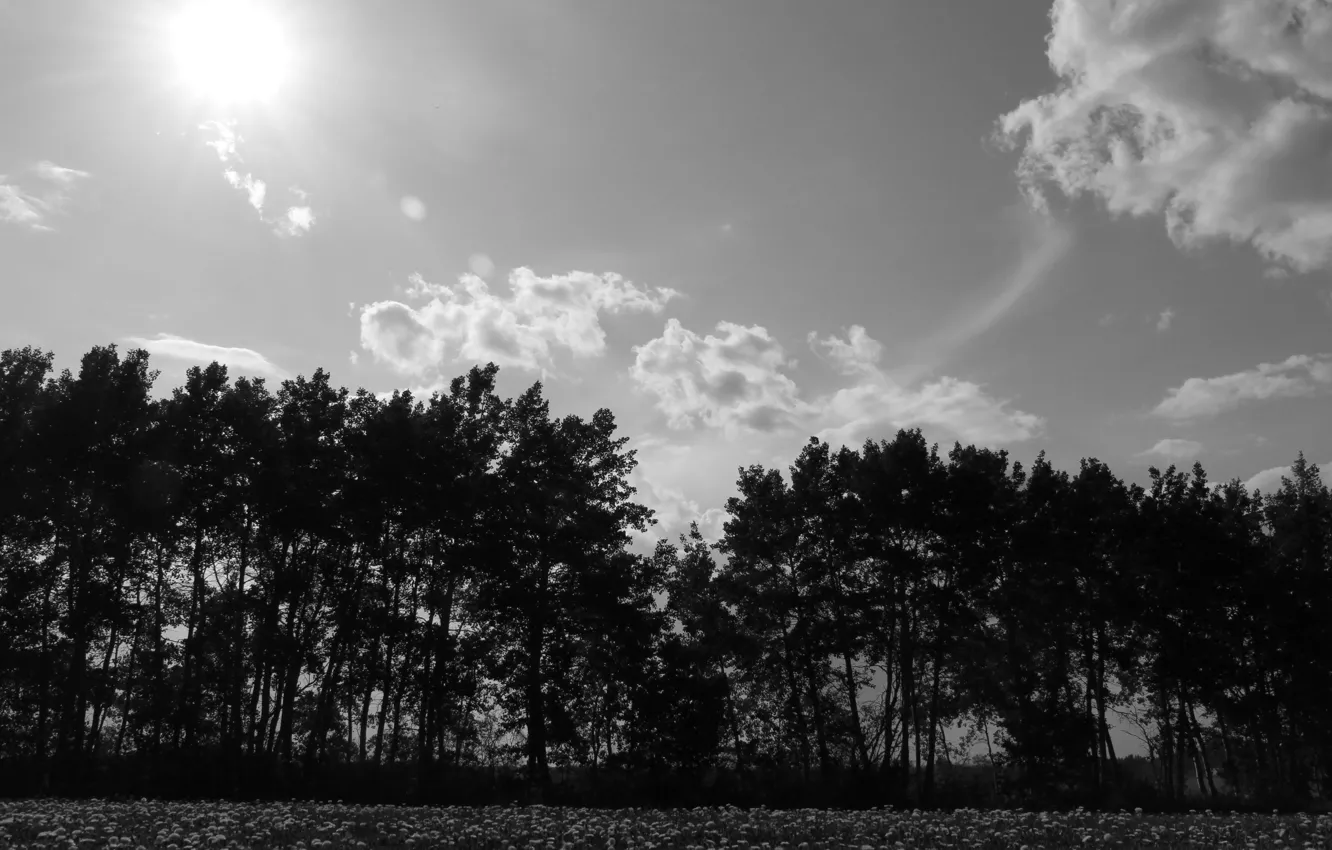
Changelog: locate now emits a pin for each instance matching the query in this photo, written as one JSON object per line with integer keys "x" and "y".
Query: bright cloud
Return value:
{"x": 519, "y": 329}
{"x": 298, "y": 220}
{"x": 1269, "y": 480}
{"x": 1214, "y": 114}
{"x": 1175, "y": 449}
{"x": 732, "y": 381}
{"x": 1297, "y": 376}
{"x": 858, "y": 354}
{"x": 244, "y": 360}
{"x": 1163, "y": 321}
{"x": 295, "y": 221}
{"x": 735, "y": 381}
{"x": 252, "y": 186}
{"x": 34, "y": 207}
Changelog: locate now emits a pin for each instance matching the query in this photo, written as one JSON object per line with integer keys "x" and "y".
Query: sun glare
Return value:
{"x": 230, "y": 51}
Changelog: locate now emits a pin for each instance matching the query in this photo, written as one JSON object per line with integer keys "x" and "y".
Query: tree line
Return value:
{"x": 244, "y": 590}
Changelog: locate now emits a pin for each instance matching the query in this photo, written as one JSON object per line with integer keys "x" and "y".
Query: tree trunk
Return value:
{"x": 933, "y": 724}
{"x": 538, "y": 772}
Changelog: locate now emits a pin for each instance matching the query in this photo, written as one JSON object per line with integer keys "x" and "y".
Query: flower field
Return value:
{"x": 84, "y": 825}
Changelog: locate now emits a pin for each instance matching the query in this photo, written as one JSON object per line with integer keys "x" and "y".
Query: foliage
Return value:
{"x": 298, "y": 584}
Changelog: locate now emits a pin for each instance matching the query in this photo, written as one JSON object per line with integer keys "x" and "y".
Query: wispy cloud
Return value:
{"x": 226, "y": 142}
{"x": 1174, "y": 449}
{"x": 1298, "y": 375}
{"x": 34, "y": 207}
{"x": 1044, "y": 242}
{"x": 735, "y": 381}
{"x": 245, "y": 360}
{"x": 522, "y": 329}
{"x": 1164, "y": 319}
{"x": 1212, "y": 114}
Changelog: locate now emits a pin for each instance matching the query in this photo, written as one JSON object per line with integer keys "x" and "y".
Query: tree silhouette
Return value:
{"x": 232, "y": 590}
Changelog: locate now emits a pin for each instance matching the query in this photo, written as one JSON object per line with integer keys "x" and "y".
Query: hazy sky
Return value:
{"x": 1102, "y": 229}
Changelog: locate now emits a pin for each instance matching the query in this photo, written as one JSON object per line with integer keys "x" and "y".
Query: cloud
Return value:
{"x": 296, "y": 220}
{"x": 1269, "y": 480}
{"x": 732, "y": 381}
{"x": 672, "y": 510}
{"x": 1213, "y": 114}
{"x": 1044, "y": 243}
{"x": 255, "y": 188}
{"x": 735, "y": 381}
{"x": 34, "y": 207}
{"x": 53, "y": 173}
{"x": 1163, "y": 321}
{"x": 244, "y": 360}
{"x": 1297, "y": 376}
{"x": 856, "y": 355}
{"x": 1175, "y": 449}
{"x": 519, "y": 329}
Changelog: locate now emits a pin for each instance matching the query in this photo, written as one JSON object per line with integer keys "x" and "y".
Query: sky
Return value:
{"x": 1098, "y": 229}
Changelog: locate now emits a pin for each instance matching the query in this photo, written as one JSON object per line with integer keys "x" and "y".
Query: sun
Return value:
{"x": 229, "y": 51}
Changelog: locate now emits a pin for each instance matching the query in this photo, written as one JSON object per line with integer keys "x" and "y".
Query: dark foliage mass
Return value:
{"x": 248, "y": 592}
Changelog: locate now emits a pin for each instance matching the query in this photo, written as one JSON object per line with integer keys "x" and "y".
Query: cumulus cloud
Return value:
{"x": 34, "y": 206}
{"x": 244, "y": 360}
{"x": 858, "y": 354}
{"x": 1215, "y": 114}
{"x": 1269, "y": 480}
{"x": 1297, "y": 376}
{"x": 297, "y": 219}
{"x": 1164, "y": 320}
{"x": 1175, "y": 449}
{"x": 735, "y": 381}
{"x": 471, "y": 322}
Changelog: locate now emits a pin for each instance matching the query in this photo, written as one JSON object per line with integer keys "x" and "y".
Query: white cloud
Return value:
{"x": 734, "y": 381}
{"x": 1297, "y": 376}
{"x": 858, "y": 354}
{"x": 251, "y": 185}
{"x": 33, "y": 208}
{"x": 244, "y": 360}
{"x": 17, "y": 207}
{"x": 1163, "y": 321}
{"x": 1175, "y": 449}
{"x": 1269, "y": 480}
{"x": 1212, "y": 113}
{"x": 296, "y": 220}
{"x": 519, "y": 329}
{"x": 227, "y": 140}
{"x": 53, "y": 173}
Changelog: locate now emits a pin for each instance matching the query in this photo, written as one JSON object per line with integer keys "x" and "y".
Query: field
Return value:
{"x": 84, "y": 825}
